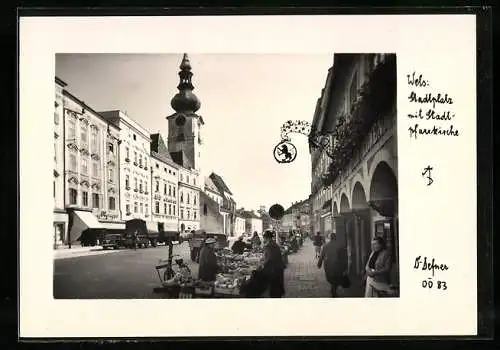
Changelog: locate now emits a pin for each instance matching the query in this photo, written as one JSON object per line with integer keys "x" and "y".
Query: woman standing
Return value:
{"x": 378, "y": 267}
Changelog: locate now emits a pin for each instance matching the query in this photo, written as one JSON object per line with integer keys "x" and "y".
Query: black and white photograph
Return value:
{"x": 201, "y": 175}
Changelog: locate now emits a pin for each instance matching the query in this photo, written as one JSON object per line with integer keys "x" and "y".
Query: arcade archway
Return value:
{"x": 344, "y": 203}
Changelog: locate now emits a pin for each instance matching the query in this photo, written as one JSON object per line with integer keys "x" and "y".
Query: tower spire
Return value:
{"x": 185, "y": 100}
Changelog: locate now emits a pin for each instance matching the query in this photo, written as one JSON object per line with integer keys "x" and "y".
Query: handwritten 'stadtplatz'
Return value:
{"x": 428, "y": 112}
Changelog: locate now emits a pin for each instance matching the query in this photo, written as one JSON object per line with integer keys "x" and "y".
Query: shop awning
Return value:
{"x": 170, "y": 226}
{"x": 113, "y": 225}
{"x": 83, "y": 220}
{"x": 152, "y": 226}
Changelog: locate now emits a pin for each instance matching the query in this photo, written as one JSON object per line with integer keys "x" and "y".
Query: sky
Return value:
{"x": 245, "y": 98}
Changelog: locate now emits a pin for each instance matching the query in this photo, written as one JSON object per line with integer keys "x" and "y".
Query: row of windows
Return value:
{"x": 73, "y": 199}
{"x": 136, "y": 183}
{"x": 187, "y": 179}
{"x": 171, "y": 189}
{"x": 188, "y": 198}
{"x": 84, "y": 166}
{"x": 168, "y": 209}
{"x": 138, "y": 207}
{"x": 170, "y": 171}
{"x": 138, "y": 158}
{"x": 194, "y": 215}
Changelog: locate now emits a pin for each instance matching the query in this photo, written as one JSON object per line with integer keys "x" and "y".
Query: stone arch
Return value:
{"x": 358, "y": 198}
{"x": 344, "y": 203}
{"x": 384, "y": 155}
{"x": 383, "y": 183}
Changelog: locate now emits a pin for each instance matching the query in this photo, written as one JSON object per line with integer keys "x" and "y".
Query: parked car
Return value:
{"x": 112, "y": 240}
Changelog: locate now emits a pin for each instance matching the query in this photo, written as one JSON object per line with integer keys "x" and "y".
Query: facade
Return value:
{"x": 239, "y": 225}
{"x": 60, "y": 215}
{"x": 228, "y": 205}
{"x": 91, "y": 169}
{"x": 189, "y": 199}
{"x": 134, "y": 165}
{"x": 360, "y": 114}
{"x": 253, "y": 223}
{"x": 297, "y": 217}
{"x": 267, "y": 222}
{"x": 211, "y": 220}
{"x": 165, "y": 186}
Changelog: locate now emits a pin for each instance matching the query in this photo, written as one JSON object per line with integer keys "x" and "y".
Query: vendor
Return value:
{"x": 239, "y": 246}
{"x": 208, "y": 261}
{"x": 256, "y": 240}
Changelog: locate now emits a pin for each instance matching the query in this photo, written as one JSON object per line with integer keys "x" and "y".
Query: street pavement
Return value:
{"x": 131, "y": 274}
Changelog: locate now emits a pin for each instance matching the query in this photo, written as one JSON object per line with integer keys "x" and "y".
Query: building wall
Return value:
{"x": 164, "y": 192}
{"x": 189, "y": 199}
{"x": 211, "y": 219}
{"x": 135, "y": 169}
{"x": 239, "y": 226}
{"x": 91, "y": 161}
{"x": 252, "y": 225}
{"x": 60, "y": 217}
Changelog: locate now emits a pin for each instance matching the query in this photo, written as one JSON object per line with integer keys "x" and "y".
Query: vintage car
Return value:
{"x": 112, "y": 240}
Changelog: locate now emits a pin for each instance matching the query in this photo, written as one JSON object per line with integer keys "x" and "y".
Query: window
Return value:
{"x": 111, "y": 174}
{"x": 111, "y": 203}
{"x": 188, "y": 215}
{"x": 55, "y": 152}
{"x": 94, "y": 141}
{"x": 173, "y": 210}
{"x": 146, "y": 209}
{"x": 157, "y": 166}
{"x": 182, "y": 197}
{"x": 71, "y": 129}
{"x": 194, "y": 200}
{"x": 165, "y": 208}
{"x": 140, "y": 160}
{"x": 95, "y": 200}
{"x": 145, "y": 162}
{"x": 85, "y": 198}
{"x": 165, "y": 189}
{"x": 85, "y": 165}
{"x": 72, "y": 162}
{"x": 84, "y": 135}
{"x": 157, "y": 186}
{"x": 127, "y": 181}
{"x": 95, "y": 169}
{"x": 187, "y": 178}
{"x": 127, "y": 152}
{"x": 194, "y": 181}
{"x": 135, "y": 137}
{"x": 145, "y": 186}
{"x": 135, "y": 207}
{"x": 173, "y": 190}
{"x": 73, "y": 194}
{"x": 141, "y": 207}
{"x": 182, "y": 214}
{"x": 187, "y": 198}
{"x": 140, "y": 186}
{"x": 182, "y": 178}
{"x": 135, "y": 183}
{"x": 194, "y": 215}
{"x": 127, "y": 209}
{"x": 169, "y": 208}
{"x": 169, "y": 190}
{"x": 157, "y": 207}
{"x": 205, "y": 209}
{"x": 135, "y": 156}
{"x": 111, "y": 148}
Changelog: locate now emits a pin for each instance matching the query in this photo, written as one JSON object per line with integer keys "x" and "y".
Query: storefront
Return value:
{"x": 60, "y": 228}
{"x": 84, "y": 228}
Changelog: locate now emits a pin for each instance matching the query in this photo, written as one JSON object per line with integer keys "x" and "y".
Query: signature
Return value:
{"x": 426, "y": 264}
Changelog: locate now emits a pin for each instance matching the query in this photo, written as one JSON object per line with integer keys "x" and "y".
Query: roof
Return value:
{"x": 159, "y": 150}
{"x": 209, "y": 184}
{"x": 181, "y": 159}
{"x": 221, "y": 185}
{"x": 61, "y": 82}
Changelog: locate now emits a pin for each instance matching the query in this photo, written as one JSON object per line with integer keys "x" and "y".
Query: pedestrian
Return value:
{"x": 134, "y": 239}
{"x": 207, "y": 270}
{"x": 318, "y": 242}
{"x": 333, "y": 258}
{"x": 378, "y": 267}
{"x": 256, "y": 242}
{"x": 273, "y": 266}
{"x": 239, "y": 246}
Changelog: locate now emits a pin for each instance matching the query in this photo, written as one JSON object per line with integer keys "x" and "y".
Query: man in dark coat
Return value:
{"x": 333, "y": 257}
{"x": 273, "y": 266}
{"x": 208, "y": 268}
{"x": 239, "y": 246}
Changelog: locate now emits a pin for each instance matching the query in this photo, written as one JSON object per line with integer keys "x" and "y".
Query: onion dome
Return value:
{"x": 185, "y": 100}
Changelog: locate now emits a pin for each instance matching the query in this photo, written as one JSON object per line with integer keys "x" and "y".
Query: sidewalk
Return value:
{"x": 64, "y": 252}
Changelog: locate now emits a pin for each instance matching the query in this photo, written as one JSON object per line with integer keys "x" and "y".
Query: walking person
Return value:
{"x": 378, "y": 267}
{"x": 273, "y": 266}
{"x": 318, "y": 242}
{"x": 333, "y": 258}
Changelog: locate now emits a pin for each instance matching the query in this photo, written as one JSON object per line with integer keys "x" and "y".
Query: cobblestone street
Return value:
{"x": 131, "y": 274}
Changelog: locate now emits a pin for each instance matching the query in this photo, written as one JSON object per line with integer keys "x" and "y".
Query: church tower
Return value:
{"x": 184, "y": 125}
